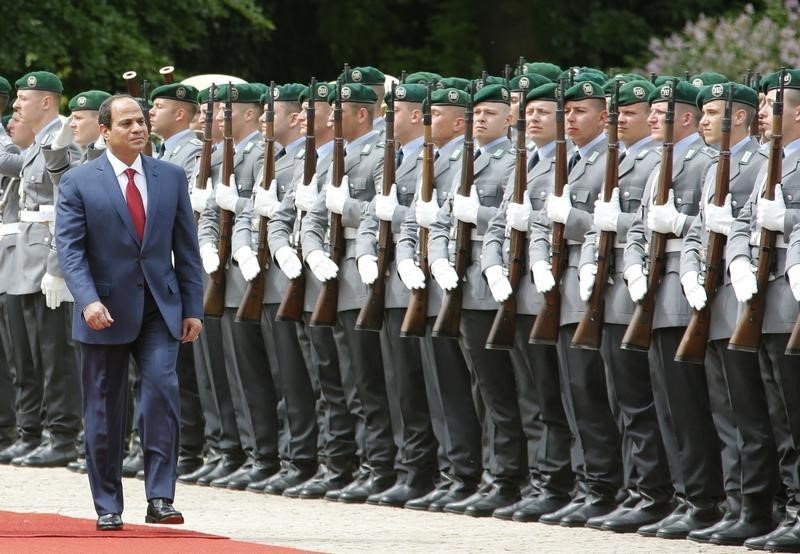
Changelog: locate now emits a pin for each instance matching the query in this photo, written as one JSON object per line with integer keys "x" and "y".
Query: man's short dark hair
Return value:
{"x": 104, "y": 113}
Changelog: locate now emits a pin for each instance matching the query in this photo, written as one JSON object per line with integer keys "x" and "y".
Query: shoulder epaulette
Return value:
{"x": 196, "y": 142}
{"x": 642, "y": 153}
{"x": 177, "y": 149}
{"x": 300, "y": 155}
{"x": 366, "y": 150}
{"x": 710, "y": 152}
{"x": 249, "y": 146}
{"x": 593, "y": 157}
{"x": 455, "y": 155}
{"x": 690, "y": 154}
{"x": 421, "y": 154}
{"x": 746, "y": 158}
{"x": 498, "y": 153}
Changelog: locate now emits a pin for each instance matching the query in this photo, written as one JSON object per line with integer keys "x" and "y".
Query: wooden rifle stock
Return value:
{"x": 214, "y": 300}
{"x": 133, "y": 90}
{"x": 166, "y": 73}
{"x": 448, "y": 321}
{"x": 746, "y": 335}
{"x": 640, "y": 329}
{"x": 370, "y": 317}
{"x": 291, "y": 307}
{"x": 692, "y": 348}
{"x": 204, "y": 171}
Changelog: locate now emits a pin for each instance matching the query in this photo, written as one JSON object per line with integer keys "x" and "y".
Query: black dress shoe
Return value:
{"x": 161, "y": 510}
{"x": 226, "y": 465}
{"x": 259, "y": 471}
{"x": 697, "y": 517}
{"x": 140, "y": 475}
{"x": 788, "y": 541}
{"x": 400, "y": 494}
{"x": 733, "y": 508}
{"x": 627, "y": 501}
{"x": 320, "y": 488}
{"x": 760, "y": 543}
{"x": 109, "y": 522}
{"x": 323, "y": 472}
{"x": 592, "y": 507}
{"x": 188, "y": 464}
{"x": 21, "y": 448}
{"x": 205, "y": 469}
{"x": 423, "y": 502}
{"x": 554, "y": 518}
{"x": 499, "y": 495}
{"x": 531, "y": 509}
{"x": 359, "y": 492}
{"x": 458, "y": 492}
{"x": 50, "y": 455}
{"x": 645, "y": 513}
{"x": 133, "y": 464}
{"x": 360, "y": 477}
{"x": 78, "y": 466}
{"x": 290, "y": 475}
{"x": 222, "y": 482}
{"x": 755, "y": 520}
{"x": 651, "y": 530}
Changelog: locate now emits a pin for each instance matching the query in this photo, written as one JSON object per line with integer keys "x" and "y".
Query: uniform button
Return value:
{"x": 788, "y": 196}
{"x": 47, "y": 239}
{"x": 480, "y": 191}
{"x": 734, "y": 203}
{"x": 283, "y": 187}
{"x": 679, "y": 199}
{"x": 626, "y": 194}
{"x": 403, "y": 189}
{"x": 574, "y": 196}
{"x": 542, "y": 194}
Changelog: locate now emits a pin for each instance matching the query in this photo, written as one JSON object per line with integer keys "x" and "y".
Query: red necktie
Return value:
{"x": 135, "y": 205}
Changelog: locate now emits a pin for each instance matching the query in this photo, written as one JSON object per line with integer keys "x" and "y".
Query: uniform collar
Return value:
{"x": 169, "y": 144}
{"x": 791, "y": 148}
{"x": 325, "y": 149}
{"x": 245, "y": 140}
{"x": 411, "y": 146}
{"x": 46, "y": 129}
{"x": 547, "y": 150}
{"x": 680, "y": 148}
{"x": 452, "y": 144}
{"x": 741, "y": 144}
{"x": 293, "y": 147}
{"x": 119, "y": 166}
{"x": 486, "y": 148}
{"x": 634, "y": 148}
{"x": 352, "y": 146}
{"x": 585, "y": 149}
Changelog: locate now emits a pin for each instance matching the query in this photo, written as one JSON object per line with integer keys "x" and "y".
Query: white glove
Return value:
{"x": 411, "y": 275}
{"x": 248, "y": 263}
{"x": 498, "y": 283}
{"x": 426, "y": 212}
{"x": 199, "y": 197}
{"x": 444, "y": 274}
{"x": 210, "y": 257}
{"x": 606, "y": 214}
{"x": 227, "y": 195}
{"x": 368, "y": 268}
{"x": 518, "y": 216}
{"x": 266, "y": 202}
{"x": 100, "y": 143}
{"x": 465, "y": 208}
{"x": 62, "y": 140}
{"x": 558, "y": 207}
{"x": 321, "y": 265}
{"x": 54, "y": 289}
{"x": 665, "y": 218}
{"x": 718, "y": 219}
{"x": 637, "y": 282}
{"x": 770, "y": 214}
{"x": 586, "y": 276}
{"x": 305, "y": 195}
{"x": 743, "y": 280}
{"x": 794, "y": 280}
{"x": 543, "y": 276}
{"x": 288, "y": 261}
{"x": 693, "y": 290}
{"x": 386, "y": 205}
{"x": 335, "y": 197}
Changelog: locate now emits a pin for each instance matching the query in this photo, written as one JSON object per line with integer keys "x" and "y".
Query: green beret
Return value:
{"x": 719, "y": 91}
{"x": 663, "y": 79}
{"x": 40, "y": 80}
{"x": 449, "y": 97}
{"x": 527, "y": 81}
{"x": 790, "y": 80}
{"x": 584, "y": 90}
{"x": 493, "y": 93}
{"x": 708, "y": 78}
{"x": 544, "y": 92}
{"x": 5, "y": 86}
{"x": 685, "y": 94}
{"x": 365, "y": 75}
{"x": 608, "y": 87}
{"x": 410, "y": 93}
{"x": 634, "y": 92}
{"x": 89, "y": 100}
{"x": 321, "y": 92}
{"x": 422, "y": 77}
{"x": 243, "y": 93}
{"x": 490, "y": 80}
{"x": 453, "y": 82}
{"x": 176, "y": 91}
{"x": 289, "y": 92}
{"x": 355, "y": 93}
{"x": 590, "y": 76}
{"x": 549, "y": 70}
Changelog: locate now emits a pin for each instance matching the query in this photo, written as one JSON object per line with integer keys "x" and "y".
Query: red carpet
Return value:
{"x": 46, "y": 533}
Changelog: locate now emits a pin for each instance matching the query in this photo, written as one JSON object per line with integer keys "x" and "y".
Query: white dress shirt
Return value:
{"x": 119, "y": 168}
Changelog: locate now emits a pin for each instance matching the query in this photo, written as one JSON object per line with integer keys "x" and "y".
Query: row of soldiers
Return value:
{"x": 613, "y": 438}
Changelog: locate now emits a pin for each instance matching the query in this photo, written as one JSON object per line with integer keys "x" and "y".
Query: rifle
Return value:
{"x": 370, "y": 317}
{"x": 251, "y": 305}
{"x": 214, "y": 299}
{"x": 747, "y": 334}
{"x": 449, "y": 319}
{"x": 545, "y": 326}
{"x": 416, "y": 314}
{"x": 291, "y": 307}
{"x": 754, "y": 127}
{"x": 589, "y": 331}
{"x": 324, "y": 314}
{"x": 692, "y": 347}
{"x": 501, "y": 334}
{"x": 133, "y": 90}
{"x": 204, "y": 172}
{"x": 166, "y": 74}
{"x": 637, "y": 335}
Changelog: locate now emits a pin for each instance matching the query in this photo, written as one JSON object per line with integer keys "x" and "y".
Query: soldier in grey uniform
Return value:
{"x": 628, "y": 379}
{"x": 679, "y": 388}
{"x": 780, "y": 215}
{"x": 38, "y": 280}
{"x": 552, "y": 459}
{"x": 402, "y": 356}
{"x": 583, "y": 380}
{"x": 246, "y": 363}
{"x": 490, "y": 369}
{"x": 363, "y": 168}
{"x": 374, "y": 79}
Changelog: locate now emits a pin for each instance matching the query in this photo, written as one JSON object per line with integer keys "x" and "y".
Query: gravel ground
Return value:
{"x": 324, "y": 526}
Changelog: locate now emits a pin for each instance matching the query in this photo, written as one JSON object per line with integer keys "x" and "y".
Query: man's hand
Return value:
{"x": 411, "y": 275}
{"x": 97, "y": 317}
{"x": 558, "y": 207}
{"x": 190, "y": 329}
{"x": 543, "y": 278}
{"x": 63, "y": 138}
{"x": 323, "y": 268}
{"x": 54, "y": 288}
{"x": 606, "y": 214}
{"x": 248, "y": 262}
{"x": 719, "y": 219}
{"x": 499, "y": 285}
{"x": 586, "y": 277}
{"x": 227, "y": 195}
{"x": 693, "y": 291}
{"x": 743, "y": 280}
{"x": 209, "y": 255}
{"x": 266, "y": 202}
{"x": 199, "y": 197}
{"x": 305, "y": 195}
{"x": 367, "y": 268}
{"x": 445, "y": 275}
{"x": 518, "y": 215}
{"x": 771, "y": 214}
{"x": 665, "y": 218}
{"x": 426, "y": 212}
{"x": 288, "y": 262}
{"x": 637, "y": 282}
{"x": 386, "y": 205}
{"x": 465, "y": 208}
{"x": 335, "y": 197}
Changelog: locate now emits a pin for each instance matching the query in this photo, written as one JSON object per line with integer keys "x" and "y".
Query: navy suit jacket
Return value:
{"x": 102, "y": 258}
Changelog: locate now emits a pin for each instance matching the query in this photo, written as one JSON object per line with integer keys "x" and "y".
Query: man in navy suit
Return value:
{"x": 126, "y": 240}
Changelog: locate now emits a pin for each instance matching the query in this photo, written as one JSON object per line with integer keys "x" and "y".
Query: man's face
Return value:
{"x": 285, "y": 117}
{"x": 84, "y": 125}
{"x": 490, "y": 121}
{"x": 407, "y": 120}
{"x": 585, "y": 119}
{"x": 216, "y": 132}
{"x": 515, "y": 99}
{"x": 540, "y": 121}
{"x": 354, "y": 116}
{"x": 765, "y": 113}
{"x": 162, "y": 117}
{"x": 444, "y": 122}
{"x": 20, "y": 133}
{"x": 632, "y": 123}
{"x": 241, "y": 116}
{"x": 711, "y": 122}
{"x": 127, "y": 135}
{"x": 656, "y": 121}
{"x": 29, "y": 105}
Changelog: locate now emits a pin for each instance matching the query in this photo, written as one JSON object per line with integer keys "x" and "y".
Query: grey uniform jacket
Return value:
{"x": 781, "y": 308}
{"x": 688, "y": 175}
{"x": 491, "y": 170}
{"x": 364, "y": 170}
{"x": 185, "y": 154}
{"x": 8, "y": 231}
{"x": 745, "y": 165}
{"x": 444, "y": 168}
{"x": 585, "y": 181}
{"x": 247, "y": 162}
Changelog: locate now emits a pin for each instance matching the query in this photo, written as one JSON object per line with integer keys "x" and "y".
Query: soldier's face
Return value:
{"x": 540, "y": 121}
{"x": 711, "y": 122}
{"x": 262, "y": 121}
{"x": 84, "y": 125}
{"x": 632, "y": 123}
{"x": 127, "y": 135}
{"x": 447, "y": 122}
{"x": 490, "y": 121}
{"x": 20, "y": 133}
{"x": 29, "y": 105}
{"x": 162, "y": 117}
{"x": 515, "y": 100}
{"x": 656, "y": 119}
{"x": 407, "y": 121}
{"x": 322, "y": 118}
{"x": 585, "y": 119}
